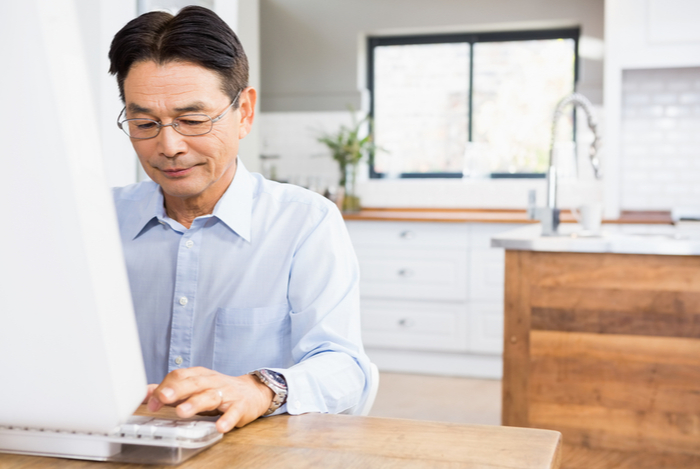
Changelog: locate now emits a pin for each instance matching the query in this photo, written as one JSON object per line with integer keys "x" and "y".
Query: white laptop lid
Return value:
{"x": 69, "y": 351}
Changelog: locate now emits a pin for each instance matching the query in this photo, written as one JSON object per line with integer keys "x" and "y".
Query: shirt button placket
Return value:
{"x": 183, "y": 310}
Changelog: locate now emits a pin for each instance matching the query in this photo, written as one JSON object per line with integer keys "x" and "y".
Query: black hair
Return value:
{"x": 195, "y": 35}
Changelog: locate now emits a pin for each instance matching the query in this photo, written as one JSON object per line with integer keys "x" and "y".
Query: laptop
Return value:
{"x": 72, "y": 370}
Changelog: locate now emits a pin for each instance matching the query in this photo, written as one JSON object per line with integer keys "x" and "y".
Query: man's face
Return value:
{"x": 187, "y": 167}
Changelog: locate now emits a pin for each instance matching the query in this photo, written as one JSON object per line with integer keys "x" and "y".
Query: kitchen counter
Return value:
{"x": 456, "y": 215}
{"x": 602, "y": 343}
{"x": 619, "y": 239}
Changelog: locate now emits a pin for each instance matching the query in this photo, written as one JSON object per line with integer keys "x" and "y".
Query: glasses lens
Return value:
{"x": 140, "y": 128}
{"x": 193, "y": 124}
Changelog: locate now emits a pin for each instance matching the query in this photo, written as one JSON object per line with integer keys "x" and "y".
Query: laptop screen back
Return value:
{"x": 69, "y": 351}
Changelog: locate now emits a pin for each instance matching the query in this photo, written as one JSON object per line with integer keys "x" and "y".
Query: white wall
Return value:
{"x": 99, "y": 21}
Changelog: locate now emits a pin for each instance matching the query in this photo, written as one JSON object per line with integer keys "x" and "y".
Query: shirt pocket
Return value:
{"x": 246, "y": 339}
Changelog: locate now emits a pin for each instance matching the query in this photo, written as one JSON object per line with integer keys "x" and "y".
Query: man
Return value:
{"x": 230, "y": 273}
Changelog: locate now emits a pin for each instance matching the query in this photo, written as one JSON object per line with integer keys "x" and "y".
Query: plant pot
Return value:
{"x": 351, "y": 204}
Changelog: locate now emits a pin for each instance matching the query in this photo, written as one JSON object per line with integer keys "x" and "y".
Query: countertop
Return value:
{"x": 616, "y": 239}
{"x": 473, "y": 215}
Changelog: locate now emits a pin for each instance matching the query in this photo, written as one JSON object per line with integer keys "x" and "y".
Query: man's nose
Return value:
{"x": 170, "y": 142}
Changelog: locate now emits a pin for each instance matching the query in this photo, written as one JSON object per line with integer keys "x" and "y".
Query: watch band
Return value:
{"x": 277, "y": 383}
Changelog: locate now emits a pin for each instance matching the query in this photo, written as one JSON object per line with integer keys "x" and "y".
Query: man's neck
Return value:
{"x": 185, "y": 209}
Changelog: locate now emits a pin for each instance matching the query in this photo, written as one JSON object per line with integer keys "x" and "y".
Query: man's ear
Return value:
{"x": 246, "y": 110}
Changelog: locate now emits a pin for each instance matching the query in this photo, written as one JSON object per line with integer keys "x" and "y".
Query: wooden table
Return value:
{"x": 335, "y": 441}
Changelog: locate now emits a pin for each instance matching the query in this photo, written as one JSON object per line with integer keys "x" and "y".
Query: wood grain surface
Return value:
{"x": 491, "y": 215}
{"x": 330, "y": 441}
{"x": 516, "y": 340}
{"x": 614, "y": 355}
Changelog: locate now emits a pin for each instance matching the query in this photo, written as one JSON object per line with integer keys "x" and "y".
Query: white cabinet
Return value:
{"x": 431, "y": 296}
{"x": 640, "y": 34}
{"x": 652, "y": 33}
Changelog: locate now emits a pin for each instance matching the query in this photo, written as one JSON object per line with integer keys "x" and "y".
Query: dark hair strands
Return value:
{"x": 195, "y": 35}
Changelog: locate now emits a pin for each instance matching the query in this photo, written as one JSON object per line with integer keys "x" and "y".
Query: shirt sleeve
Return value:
{"x": 331, "y": 373}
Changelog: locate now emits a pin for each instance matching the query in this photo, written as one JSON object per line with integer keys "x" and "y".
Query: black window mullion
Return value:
{"x": 471, "y": 39}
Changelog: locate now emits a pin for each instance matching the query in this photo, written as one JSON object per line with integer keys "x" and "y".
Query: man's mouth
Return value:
{"x": 176, "y": 172}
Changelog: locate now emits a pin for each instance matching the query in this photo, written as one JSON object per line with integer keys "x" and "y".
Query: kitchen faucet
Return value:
{"x": 549, "y": 215}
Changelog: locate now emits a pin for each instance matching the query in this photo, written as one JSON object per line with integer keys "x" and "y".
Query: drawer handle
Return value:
{"x": 407, "y": 235}
{"x": 405, "y": 273}
{"x": 406, "y": 322}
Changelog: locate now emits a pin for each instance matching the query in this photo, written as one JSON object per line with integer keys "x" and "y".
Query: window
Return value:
{"x": 465, "y": 105}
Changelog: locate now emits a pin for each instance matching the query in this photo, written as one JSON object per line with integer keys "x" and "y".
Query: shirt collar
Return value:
{"x": 152, "y": 211}
{"x": 234, "y": 208}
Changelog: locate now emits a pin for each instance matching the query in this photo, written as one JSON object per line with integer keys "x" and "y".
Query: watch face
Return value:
{"x": 275, "y": 377}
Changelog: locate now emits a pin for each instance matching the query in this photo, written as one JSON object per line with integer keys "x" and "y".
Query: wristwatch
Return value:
{"x": 277, "y": 383}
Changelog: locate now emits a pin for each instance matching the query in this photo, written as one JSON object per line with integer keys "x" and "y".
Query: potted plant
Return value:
{"x": 348, "y": 149}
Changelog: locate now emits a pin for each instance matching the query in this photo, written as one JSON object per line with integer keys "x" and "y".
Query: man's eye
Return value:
{"x": 192, "y": 122}
{"x": 145, "y": 125}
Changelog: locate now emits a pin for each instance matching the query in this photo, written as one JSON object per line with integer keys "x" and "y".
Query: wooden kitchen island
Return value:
{"x": 605, "y": 347}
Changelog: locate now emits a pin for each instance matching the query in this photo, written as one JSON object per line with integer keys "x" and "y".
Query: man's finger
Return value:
{"x": 149, "y": 391}
{"x": 228, "y": 420}
{"x": 209, "y": 399}
{"x": 179, "y": 385}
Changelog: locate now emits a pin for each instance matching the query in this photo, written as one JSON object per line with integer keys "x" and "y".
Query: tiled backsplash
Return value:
{"x": 660, "y": 164}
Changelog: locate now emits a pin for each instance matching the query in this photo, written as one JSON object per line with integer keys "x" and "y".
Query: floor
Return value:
{"x": 447, "y": 399}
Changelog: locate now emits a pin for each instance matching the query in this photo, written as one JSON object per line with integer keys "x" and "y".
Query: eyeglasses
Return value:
{"x": 189, "y": 125}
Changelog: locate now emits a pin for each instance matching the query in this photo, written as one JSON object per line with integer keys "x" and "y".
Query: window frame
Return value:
{"x": 470, "y": 38}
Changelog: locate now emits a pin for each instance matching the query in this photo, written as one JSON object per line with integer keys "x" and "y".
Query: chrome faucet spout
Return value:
{"x": 577, "y": 99}
{"x": 550, "y": 215}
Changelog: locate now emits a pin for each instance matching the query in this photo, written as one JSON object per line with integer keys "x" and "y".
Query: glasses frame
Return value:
{"x": 174, "y": 124}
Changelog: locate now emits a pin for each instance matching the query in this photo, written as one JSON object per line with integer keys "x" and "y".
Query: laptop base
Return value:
{"x": 158, "y": 441}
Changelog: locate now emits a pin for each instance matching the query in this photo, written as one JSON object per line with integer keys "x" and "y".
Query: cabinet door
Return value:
{"x": 486, "y": 327}
{"x": 415, "y": 325}
{"x": 652, "y": 34}
{"x": 487, "y": 273}
{"x": 486, "y": 289}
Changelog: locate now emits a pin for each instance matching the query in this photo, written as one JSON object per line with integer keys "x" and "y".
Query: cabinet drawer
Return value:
{"x": 416, "y": 274}
{"x": 486, "y": 327}
{"x": 406, "y": 235}
{"x": 415, "y": 326}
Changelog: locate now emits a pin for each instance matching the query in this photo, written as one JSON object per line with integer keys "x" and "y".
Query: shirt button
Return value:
{"x": 183, "y": 301}
{"x": 189, "y": 243}
{"x": 178, "y": 361}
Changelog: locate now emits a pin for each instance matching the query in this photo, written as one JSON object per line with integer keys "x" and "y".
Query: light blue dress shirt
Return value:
{"x": 268, "y": 280}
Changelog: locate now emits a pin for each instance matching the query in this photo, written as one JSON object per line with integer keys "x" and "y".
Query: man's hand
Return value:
{"x": 242, "y": 399}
